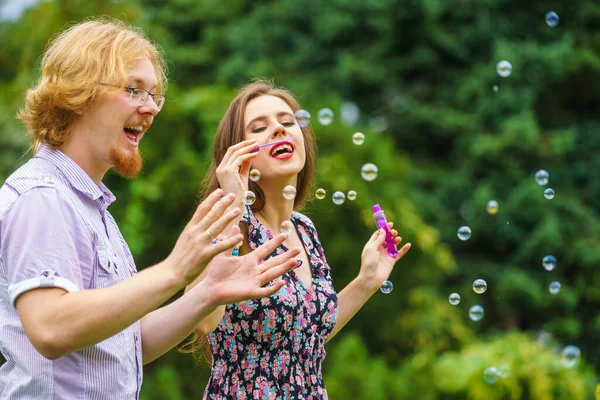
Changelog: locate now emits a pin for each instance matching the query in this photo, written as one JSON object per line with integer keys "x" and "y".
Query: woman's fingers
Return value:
{"x": 231, "y": 150}
{"x": 403, "y": 250}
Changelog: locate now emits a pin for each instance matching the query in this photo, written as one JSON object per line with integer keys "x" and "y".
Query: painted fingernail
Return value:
{"x": 298, "y": 264}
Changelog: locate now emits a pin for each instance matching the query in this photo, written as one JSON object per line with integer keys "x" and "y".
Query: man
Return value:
{"x": 76, "y": 319}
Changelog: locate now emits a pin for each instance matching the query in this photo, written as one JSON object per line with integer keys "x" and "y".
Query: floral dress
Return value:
{"x": 273, "y": 348}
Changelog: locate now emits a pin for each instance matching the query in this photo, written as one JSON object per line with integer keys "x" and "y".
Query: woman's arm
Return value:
{"x": 376, "y": 267}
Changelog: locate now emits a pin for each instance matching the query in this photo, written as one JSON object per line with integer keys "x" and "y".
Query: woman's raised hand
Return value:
{"x": 377, "y": 264}
{"x": 232, "y": 173}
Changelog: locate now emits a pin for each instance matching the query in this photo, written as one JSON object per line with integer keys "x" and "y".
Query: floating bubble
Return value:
{"x": 464, "y": 233}
{"x": 570, "y": 356}
{"x": 349, "y": 113}
{"x": 552, "y": 19}
{"x": 495, "y": 88}
{"x": 351, "y": 195}
{"x": 490, "y": 375}
{"x": 286, "y": 227}
{"x": 379, "y": 123}
{"x": 554, "y": 287}
{"x": 386, "y": 287}
{"x": 249, "y": 197}
{"x": 454, "y": 299}
{"x": 325, "y": 116}
{"x": 504, "y": 371}
{"x": 476, "y": 313}
{"x": 541, "y": 177}
{"x": 369, "y": 172}
{"x": 289, "y": 192}
{"x": 358, "y": 138}
{"x": 303, "y": 118}
{"x": 479, "y": 286}
{"x": 254, "y": 175}
{"x": 504, "y": 68}
{"x": 549, "y": 262}
{"x": 338, "y": 198}
{"x": 492, "y": 207}
{"x": 549, "y": 193}
{"x": 320, "y": 194}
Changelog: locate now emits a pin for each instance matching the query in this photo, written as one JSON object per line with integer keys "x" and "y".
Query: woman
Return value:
{"x": 273, "y": 348}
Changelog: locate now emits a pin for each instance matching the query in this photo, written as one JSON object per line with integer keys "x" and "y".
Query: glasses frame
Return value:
{"x": 132, "y": 89}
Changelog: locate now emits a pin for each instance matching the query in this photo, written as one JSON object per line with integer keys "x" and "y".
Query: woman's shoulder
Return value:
{"x": 303, "y": 219}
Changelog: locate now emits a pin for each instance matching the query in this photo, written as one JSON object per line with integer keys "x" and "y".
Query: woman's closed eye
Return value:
{"x": 262, "y": 128}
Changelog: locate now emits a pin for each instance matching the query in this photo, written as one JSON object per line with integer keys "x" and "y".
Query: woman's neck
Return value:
{"x": 277, "y": 208}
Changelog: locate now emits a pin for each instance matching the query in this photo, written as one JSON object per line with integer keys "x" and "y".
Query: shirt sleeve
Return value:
{"x": 44, "y": 243}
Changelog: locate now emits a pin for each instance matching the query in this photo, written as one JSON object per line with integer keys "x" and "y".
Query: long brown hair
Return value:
{"x": 230, "y": 132}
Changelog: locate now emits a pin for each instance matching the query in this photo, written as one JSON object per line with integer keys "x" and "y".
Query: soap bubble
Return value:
{"x": 358, "y": 138}
{"x": 464, "y": 233}
{"x": 554, "y": 287}
{"x": 303, "y": 118}
{"x": 490, "y": 375}
{"x": 338, "y": 198}
{"x": 495, "y": 88}
{"x": 349, "y": 113}
{"x": 549, "y": 193}
{"x": 541, "y": 177}
{"x": 476, "y": 313}
{"x": 351, "y": 195}
{"x": 386, "y": 287}
{"x": 479, "y": 286}
{"x": 570, "y": 356}
{"x": 369, "y": 172}
{"x": 454, "y": 299}
{"x": 254, "y": 175}
{"x": 289, "y": 192}
{"x": 552, "y": 19}
{"x": 492, "y": 207}
{"x": 286, "y": 227}
{"x": 549, "y": 262}
{"x": 325, "y": 116}
{"x": 320, "y": 194}
{"x": 248, "y": 197}
{"x": 504, "y": 68}
{"x": 504, "y": 371}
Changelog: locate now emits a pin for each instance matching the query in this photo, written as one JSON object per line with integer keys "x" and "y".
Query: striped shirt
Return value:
{"x": 55, "y": 231}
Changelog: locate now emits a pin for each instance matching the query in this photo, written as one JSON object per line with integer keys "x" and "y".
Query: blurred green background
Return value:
{"x": 422, "y": 74}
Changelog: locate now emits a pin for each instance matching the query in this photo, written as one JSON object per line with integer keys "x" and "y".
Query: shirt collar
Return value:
{"x": 76, "y": 176}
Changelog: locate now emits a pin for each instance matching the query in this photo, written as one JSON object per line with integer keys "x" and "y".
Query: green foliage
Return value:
{"x": 445, "y": 143}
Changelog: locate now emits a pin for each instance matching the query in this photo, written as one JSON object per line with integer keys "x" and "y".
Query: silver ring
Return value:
{"x": 209, "y": 234}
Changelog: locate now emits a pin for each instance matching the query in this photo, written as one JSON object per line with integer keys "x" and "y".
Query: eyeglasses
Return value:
{"x": 138, "y": 96}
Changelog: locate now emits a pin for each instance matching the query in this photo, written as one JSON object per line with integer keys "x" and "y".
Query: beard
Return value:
{"x": 128, "y": 164}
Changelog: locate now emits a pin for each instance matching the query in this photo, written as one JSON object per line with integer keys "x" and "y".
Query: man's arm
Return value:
{"x": 230, "y": 279}
{"x": 59, "y": 322}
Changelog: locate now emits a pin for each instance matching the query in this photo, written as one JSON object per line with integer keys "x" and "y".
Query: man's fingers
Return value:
{"x": 267, "y": 248}
{"x": 277, "y": 271}
{"x": 270, "y": 290}
{"x": 227, "y": 244}
{"x": 217, "y": 227}
{"x": 279, "y": 259}
{"x": 206, "y": 206}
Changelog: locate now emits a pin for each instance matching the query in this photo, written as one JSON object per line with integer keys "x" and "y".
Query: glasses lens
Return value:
{"x": 159, "y": 100}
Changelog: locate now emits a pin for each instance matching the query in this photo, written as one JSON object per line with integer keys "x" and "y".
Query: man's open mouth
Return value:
{"x": 133, "y": 133}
